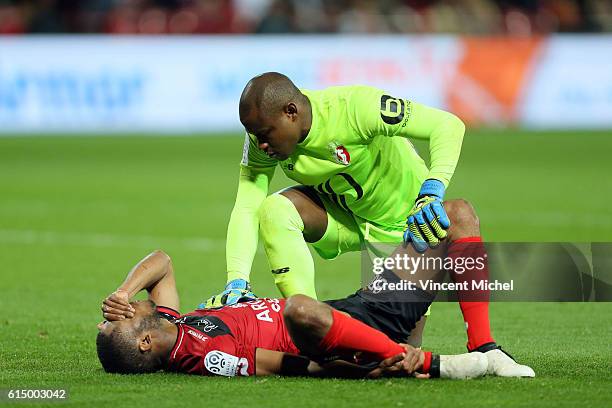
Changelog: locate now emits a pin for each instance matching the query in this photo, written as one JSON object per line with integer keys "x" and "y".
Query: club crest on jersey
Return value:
{"x": 340, "y": 154}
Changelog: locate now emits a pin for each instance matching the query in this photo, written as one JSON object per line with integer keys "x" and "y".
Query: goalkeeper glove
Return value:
{"x": 427, "y": 221}
{"x": 236, "y": 291}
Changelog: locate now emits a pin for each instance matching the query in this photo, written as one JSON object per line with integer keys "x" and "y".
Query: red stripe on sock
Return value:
{"x": 426, "y": 363}
{"x": 468, "y": 239}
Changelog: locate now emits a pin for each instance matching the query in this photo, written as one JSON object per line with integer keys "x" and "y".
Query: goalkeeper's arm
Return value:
{"x": 445, "y": 134}
{"x": 427, "y": 221}
{"x": 243, "y": 228}
{"x": 256, "y": 171}
{"x": 378, "y": 114}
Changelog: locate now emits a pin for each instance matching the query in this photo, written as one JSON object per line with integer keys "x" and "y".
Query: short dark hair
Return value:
{"x": 268, "y": 93}
{"x": 118, "y": 352}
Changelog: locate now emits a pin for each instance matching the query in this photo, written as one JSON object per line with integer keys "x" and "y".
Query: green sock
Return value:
{"x": 281, "y": 229}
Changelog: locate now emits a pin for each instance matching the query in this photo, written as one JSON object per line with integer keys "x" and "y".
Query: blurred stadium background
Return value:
{"x": 117, "y": 138}
{"x": 514, "y": 17}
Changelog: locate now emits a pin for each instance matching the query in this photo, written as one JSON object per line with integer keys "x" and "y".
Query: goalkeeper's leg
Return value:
{"x": 291, "y": 219}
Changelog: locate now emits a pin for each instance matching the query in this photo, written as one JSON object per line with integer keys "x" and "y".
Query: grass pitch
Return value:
{"x": 77, "y": 213}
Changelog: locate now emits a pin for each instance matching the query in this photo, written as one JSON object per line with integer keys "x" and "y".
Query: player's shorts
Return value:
{"x": 393, "y": 313}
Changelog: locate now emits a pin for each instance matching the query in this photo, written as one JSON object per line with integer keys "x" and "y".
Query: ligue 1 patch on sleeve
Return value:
{"x": 220, "y": 363}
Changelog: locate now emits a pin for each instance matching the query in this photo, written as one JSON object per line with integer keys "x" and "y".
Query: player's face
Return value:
{"x": 278, "y": 135}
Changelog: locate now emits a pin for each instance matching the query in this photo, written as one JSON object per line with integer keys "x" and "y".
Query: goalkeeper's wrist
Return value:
{"x": 432, "y": 187}
{"x": 234, "y": 275}
{"x": 240, "y": 284}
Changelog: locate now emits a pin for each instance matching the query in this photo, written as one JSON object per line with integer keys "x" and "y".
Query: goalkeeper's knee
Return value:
{"x": 277, "y": 214}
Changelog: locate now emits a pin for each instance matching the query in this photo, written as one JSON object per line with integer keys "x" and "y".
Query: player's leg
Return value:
{"x": 291, "y": 219}
{"x": 319, "y": 330}
{"x": 401, "y": 315}
{"x": 464, "y": 226}
{"x": 464, "y": 241}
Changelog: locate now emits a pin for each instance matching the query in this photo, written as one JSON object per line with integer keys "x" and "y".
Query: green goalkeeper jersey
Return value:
{"x": 357, "y": 153}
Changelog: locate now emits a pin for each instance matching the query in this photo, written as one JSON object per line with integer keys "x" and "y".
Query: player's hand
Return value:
{"x": 116, "y": 306}
{"x": 236, "y": 291}
{"x": 413, "y": 360}
{"x": 427, "y": 221}
{"x": 389, "y": 367}
{"x": 403, "y": 364}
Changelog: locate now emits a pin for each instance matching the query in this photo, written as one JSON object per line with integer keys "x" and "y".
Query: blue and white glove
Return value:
{"x": 236, "y": 291}
{"x": 427, "y": 221}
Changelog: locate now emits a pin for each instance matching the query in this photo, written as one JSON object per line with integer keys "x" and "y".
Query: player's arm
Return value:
{"x": 269, "y": 362}
{"x": 155, "y": 274}
{"x": 256, "y": 171}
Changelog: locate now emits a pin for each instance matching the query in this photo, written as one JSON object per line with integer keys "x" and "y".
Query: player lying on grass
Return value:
{"x": 296, "y": 336}
{"x": 360, "y": 179}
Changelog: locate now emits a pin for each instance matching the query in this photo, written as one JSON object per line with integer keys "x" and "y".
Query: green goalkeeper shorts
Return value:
{"x": 348, "y": 233}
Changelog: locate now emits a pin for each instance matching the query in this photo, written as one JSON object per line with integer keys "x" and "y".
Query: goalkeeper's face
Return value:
{"x": 277, "y": 134}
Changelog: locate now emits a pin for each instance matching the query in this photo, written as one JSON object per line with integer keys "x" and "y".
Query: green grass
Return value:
{"x": 77, "y": 213}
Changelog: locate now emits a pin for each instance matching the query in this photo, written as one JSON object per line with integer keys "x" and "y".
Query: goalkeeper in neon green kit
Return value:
{"x": 361, "y": 181}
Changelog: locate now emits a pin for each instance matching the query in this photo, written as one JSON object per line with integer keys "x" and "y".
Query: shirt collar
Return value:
{"x": 314, "y": 109}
